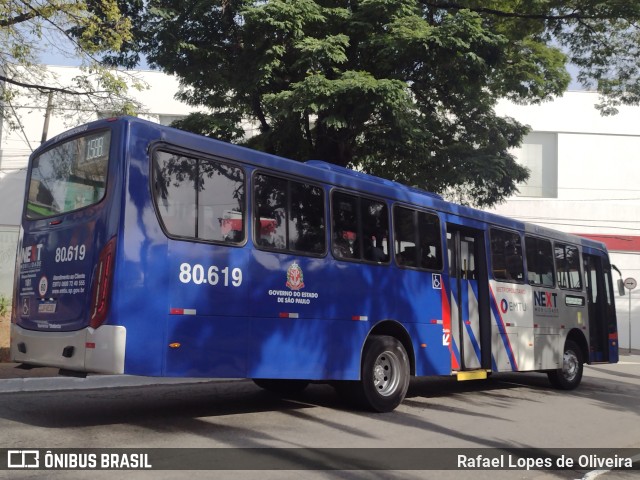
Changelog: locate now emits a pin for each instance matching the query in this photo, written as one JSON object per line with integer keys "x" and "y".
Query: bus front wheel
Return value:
{"x": 569, "y": 376}
{"x": 385, "y": 374}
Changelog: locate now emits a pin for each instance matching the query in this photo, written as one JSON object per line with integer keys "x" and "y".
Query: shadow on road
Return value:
{"x": 145, "y": 405}
{"x": 76, "y": 408}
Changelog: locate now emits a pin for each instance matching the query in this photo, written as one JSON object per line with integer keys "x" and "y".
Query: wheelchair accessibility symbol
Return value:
{"x": 436, "y": 281}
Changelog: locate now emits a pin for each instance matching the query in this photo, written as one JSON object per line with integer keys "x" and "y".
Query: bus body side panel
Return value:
{"x": 573, "y": 317}
{"x": 208, "y": 297}
{"x": 295, "y": 328}
{"x": 305, "y": 349}
{"x": 139, "y": 297}
{"x": 178, "y": 323}
{"x": 305, "y": 325}
{"x": 431, "y": 348}
{"x": 422, "y": 305}
{"x": 548, "y": 339}
{"x": 241, "y": 312}
{"x": 511, "y": 327}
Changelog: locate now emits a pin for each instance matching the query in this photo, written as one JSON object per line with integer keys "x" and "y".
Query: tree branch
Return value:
{"x": 45, "y": 89}
{"x": 9, "y": 22}
{"x": 259, "y": 113}
{"x": 34, "y": 12}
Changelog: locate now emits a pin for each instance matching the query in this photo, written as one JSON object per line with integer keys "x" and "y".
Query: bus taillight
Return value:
{"x": 102, "y": 284}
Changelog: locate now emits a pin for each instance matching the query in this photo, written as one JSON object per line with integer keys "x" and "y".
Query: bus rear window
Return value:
{"x": 69, "y": 176}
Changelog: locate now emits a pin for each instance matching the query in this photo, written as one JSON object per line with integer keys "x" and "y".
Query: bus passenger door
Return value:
{"x": 469, "y": 297}
{"x": 602, "y": 322}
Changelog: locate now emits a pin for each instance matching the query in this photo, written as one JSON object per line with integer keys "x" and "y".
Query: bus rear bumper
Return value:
{"x": 99, "y": 350}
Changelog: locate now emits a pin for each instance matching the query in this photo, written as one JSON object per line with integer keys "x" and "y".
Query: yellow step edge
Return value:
{"x": 471, "y": 375}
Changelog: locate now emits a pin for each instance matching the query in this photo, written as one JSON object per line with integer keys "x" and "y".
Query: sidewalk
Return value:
{"x": 12, "y": 370}
{"x": 14, "y": 379}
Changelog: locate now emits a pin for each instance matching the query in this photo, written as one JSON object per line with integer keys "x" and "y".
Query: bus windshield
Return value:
{"x": 70, "y": 176}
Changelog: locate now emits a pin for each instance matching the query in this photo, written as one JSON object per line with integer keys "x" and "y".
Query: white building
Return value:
{"x": 585, "y": 175}
{"x": 159, "y": 105}
{"x": 585, "y": 179}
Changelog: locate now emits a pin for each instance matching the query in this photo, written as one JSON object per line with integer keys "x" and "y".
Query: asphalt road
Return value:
{"x": 507, "y": 411}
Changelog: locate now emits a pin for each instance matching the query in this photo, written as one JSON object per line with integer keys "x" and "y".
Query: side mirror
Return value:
{"x": 621, "y": 289}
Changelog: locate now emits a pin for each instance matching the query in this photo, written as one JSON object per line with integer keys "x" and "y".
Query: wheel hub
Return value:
{"x": 570, "y": 365}
{"x": 385, "y": 373}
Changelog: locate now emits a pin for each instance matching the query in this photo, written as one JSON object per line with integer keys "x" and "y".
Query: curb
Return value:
{"x": 52, "y": 384}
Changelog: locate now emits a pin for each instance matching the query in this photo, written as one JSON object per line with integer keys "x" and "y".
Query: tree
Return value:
{"x": 404, "y": 89}
{"x": 87, "y": 28}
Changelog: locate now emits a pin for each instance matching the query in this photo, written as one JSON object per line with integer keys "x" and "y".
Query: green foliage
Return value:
{"x": 604, "y": 45}
{"x": 87, "y": 28}
{"x": 220, "y": 126}
{"x": 5, "y": 305}
{"x": 404, "y": 89}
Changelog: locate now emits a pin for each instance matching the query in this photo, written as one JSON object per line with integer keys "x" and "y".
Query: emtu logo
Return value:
{"x": 23, "y": 459}
{"x": 504, "y": 306}
{"x": 507, "y": 306}
{"x": 32, "y": 253}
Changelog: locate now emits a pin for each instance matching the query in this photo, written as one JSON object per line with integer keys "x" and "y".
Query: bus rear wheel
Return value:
{"x": 385, "y": 374}
{"x": 569, "y": 376}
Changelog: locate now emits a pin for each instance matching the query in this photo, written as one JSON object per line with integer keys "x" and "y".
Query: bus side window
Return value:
{"x": 429, "y": 241}
{"x": 360, "y": 228}
{"x": 506, "y": 256}
{"x": 198, "y": 198}
{"x": 539, "y": 261}
{"x": 375, "y": 228}
{"x": 417, "y": 239}
{"x": 568, "y": 270}
{"x": 288, "y": 215}
{"x": 405, "y": 236}
{"x": 306, "y": 218}
{"x": 221, "y": 202}
{"x": 175, "y": 192}
{"x": 345, "y": 225}
{"x": 270, "y": 203}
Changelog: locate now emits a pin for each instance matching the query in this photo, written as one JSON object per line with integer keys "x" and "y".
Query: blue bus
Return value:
{"x": 146, "y": 250}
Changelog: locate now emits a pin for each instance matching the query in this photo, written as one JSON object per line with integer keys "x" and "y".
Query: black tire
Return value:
{"x": 384, "y": 376}
{"x": 281, "y": 387}
{"x": 569, "y": 376}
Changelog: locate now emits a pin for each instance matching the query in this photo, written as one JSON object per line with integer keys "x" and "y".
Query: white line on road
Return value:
{"x": 594, "y": 474}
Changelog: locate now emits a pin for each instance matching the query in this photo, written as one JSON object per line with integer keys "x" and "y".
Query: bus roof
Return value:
{"x": 325, "y": 172}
